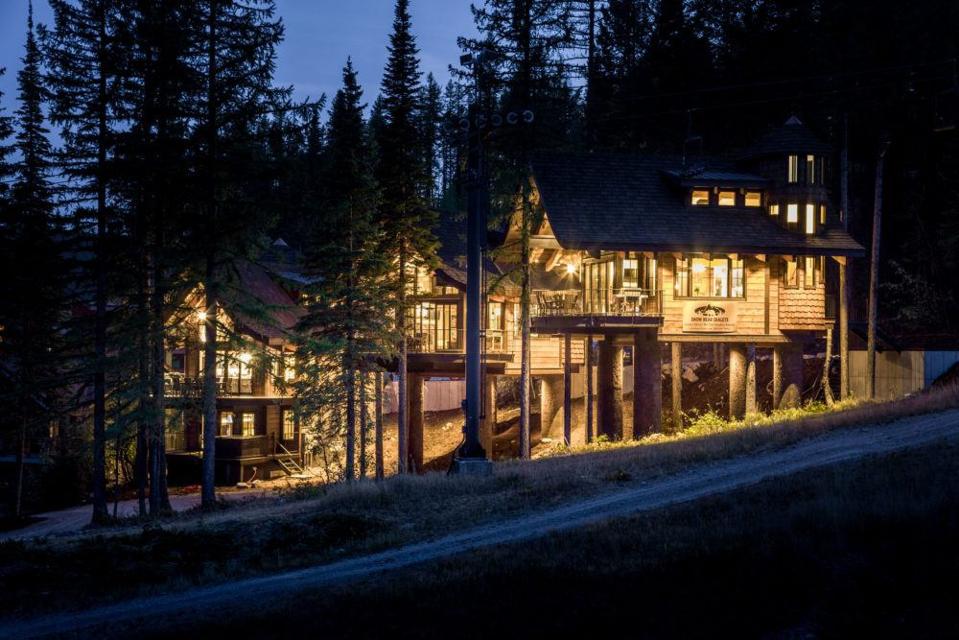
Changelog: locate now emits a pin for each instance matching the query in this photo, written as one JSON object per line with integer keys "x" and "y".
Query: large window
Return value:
{"x": 713, "y": 277}
{"x": 434, "y": 326}
{"x": 289, "y": 425}
{"x": 810, "y": 218}
{"x": 599, "y": 281}
{"x": 248, "y": 424}
{"x": 639, "y": 271}
{"x": 226, "y": 424}
{"x": 793, "y": 169}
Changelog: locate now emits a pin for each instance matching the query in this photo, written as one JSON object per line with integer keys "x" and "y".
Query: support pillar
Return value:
{"x": 589, "y": 389}
{"x": 843, "y": 333}
{"x": 415, "y": 394}
{"x": 777, "y": 376}
{"x": 647, "y": 385}
{"x": 609, "y": 404}
{"x": 751, "y": 405}
{"x": 792, "y": 375}
{"x": 550, "y": 402}
{"x": 567, "y": 390}
{"x": 737, "y": 381}
{"x": 676, "y": 375}
{"x": 488, "y": 422}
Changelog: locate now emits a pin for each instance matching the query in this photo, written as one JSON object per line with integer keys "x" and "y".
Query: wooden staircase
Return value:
{"x": 287, "y": 461}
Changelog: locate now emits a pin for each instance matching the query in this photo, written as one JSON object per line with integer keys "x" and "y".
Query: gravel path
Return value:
{"x": 704, "y": 480}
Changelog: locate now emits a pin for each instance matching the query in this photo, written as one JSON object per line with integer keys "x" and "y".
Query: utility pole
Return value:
{"x": 470, "y": 458}
{"x": 874, "y": 275}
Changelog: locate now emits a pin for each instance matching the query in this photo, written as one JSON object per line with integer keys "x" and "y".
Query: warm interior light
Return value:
{"x": 698, "y": 267}
{"x": 201, "y": 316}
{"x": 245, "y": 358}
{"x": 570, "y": 268}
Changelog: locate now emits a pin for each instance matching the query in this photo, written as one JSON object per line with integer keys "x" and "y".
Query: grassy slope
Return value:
{"x": 864, "y": 549}
{"x": 321, "y": 524}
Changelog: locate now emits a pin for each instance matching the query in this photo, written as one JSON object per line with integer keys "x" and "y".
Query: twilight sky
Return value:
{"x": 320, "y": 34}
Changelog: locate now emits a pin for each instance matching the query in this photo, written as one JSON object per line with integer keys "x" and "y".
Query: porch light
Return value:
{"x": 201, "y": 316}
{"x": 570, "y": 268}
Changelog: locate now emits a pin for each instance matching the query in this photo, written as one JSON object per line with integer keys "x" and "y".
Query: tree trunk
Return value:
{"x": 20, "y": 461}
{"x": 159, "y": 499}
{"x": 402, "y": 425}
{"x": 349, "y": 382}
{"x": 843, "y": 268}
{"x": 589, "y": 389}
{"x": 210, "y": 422}
{"x": 364, "y": 421}
{"x": 676, "y": 378}
{"x": 874, "y": 278}
{"x": 524, "y": 375}
{"x": 378, "y": 425}
{"x": 826, "y": 386}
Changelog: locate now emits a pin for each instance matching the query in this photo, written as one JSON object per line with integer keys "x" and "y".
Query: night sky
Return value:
{"x": 320, "y": 34}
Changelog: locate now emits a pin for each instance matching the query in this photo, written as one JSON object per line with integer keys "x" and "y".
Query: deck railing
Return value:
{"x": 622, "y": 302}
{"x": 178, "y": 385}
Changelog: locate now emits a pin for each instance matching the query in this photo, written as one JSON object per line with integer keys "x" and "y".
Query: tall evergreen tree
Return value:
{"x": 430, "y": 120}
{"x": 31, "y": 289}
{"x": 6, "y": 133}
{"x": 348, "y": 317}
{"x": 407, "y": 221}
{"x": 236, "y": 44}
{"x": 85, "y": 76}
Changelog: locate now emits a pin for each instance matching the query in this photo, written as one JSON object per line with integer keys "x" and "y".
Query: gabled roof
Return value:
{"x": 450, "y": 231}
{"x": 791, "y": 137}
{"x": 627, "y": 202}
{"x": 258, "y": 304}
{"x": 707, "y": 177}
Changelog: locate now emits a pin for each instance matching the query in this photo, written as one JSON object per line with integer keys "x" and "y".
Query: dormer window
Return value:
{"x": 700, "y": 198}
{"x": 754, "y": 199}
{"x": 792, "y": 213}
{"x": 727, "y": 198}
{"x": 793, "y": 169}
{"x": 810, "y": 169}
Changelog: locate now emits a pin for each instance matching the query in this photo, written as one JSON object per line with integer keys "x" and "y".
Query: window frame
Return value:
{"x": 726, "y": 192}
{"x": 758, "y": 195}
{"x": 682, "y": 276}
{"x": 792, "y": 169}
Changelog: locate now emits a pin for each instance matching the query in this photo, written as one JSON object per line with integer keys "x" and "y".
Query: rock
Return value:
{"x": 689, "y": 375}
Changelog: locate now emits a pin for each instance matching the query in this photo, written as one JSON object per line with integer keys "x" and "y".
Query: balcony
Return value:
{"x": 600, "y": 308}
{"x": 177, "y": 385}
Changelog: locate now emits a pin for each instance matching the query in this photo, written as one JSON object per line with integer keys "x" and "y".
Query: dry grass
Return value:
{"x": 311, "y": 525}
{"x": 864, "y": 549}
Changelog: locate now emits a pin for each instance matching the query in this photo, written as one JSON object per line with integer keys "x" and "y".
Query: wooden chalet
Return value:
{"x": 257, "y": 435}
{"x": 729, "y": 251}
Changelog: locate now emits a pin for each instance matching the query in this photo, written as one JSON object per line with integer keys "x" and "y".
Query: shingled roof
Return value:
{"x": 792, "y": 137}
{"x": 628, "y": 202}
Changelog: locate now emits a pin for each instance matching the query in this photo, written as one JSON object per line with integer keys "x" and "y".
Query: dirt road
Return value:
{"x": 719, "y": 477}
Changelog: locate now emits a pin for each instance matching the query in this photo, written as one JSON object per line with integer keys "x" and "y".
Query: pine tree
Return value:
{"x": 237, "y": 43}
{"x": 407, "y": 222}
{"x": 32, "y": 285}
{"x": 6, "y": 132}
{"x": 85, "y": 78}
{"x": 430, "y": 117}
{"x": 348, "y": 317}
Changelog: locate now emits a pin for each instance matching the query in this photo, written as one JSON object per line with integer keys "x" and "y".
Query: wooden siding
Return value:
{"x": 801, "y": 309}
{"x": 546, "y": 355}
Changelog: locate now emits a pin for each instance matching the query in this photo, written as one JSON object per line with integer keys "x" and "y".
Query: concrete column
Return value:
{"x": 676, "y": 373}
{"x": 567, "y": 390}
{"x": 737, "y": 381}
{"x": 415, "y": 394}
{"x": 609, "y": 405}
{"x": 647, "y": 384}
{"x": 550, "y": 399}
{"x": 751, "y": 406}
{"x": 792, "y": 375}
{"x": 777, "y": 375}
{"x": 488, "y": 423}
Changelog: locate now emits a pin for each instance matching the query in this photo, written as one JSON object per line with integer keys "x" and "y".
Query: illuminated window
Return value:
{"x": 754, "y": 199}
{"x": 709, "y": 278}
{"x": 289, "y": 367}
{"x": 809, "y": 273}
{"x": 248, "y": 423}
{"x": 822, "y": 214}
{"x": 792, "y": 214}
{"x": 810, "y": 169}
{"x": 289, "y": 425}
{"x": 793, "y": 174}
{"x": 700, "y": 197}
{"x": 226, "y": 424}
{"x": 631, "y": 271}
{"x": 774, "y": 209}
{"x": 791, "y": 275}
{"x": 810, "y": 218}
{"x": 727, "y": 198}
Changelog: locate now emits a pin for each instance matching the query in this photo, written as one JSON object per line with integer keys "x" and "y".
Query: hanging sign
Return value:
{"x": 709, "y": 317}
